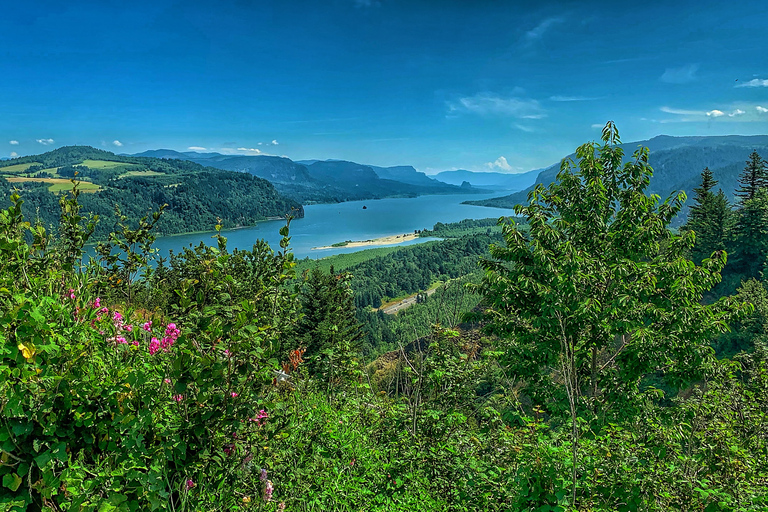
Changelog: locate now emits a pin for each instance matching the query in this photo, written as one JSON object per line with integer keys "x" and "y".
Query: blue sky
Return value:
{"x": 481, "y": 85}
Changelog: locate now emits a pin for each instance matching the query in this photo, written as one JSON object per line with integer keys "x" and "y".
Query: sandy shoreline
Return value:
{"x": 385, "y": 240}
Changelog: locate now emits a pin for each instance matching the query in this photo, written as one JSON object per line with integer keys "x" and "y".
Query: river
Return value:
{"x": 327, "y": 224}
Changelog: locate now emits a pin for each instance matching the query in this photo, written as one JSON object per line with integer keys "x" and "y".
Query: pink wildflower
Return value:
{"x": 281, "y": 507}
{"x": 190, "y": 484}
{"x": 268, "y": 489}
{"x": 121, "y": 340}
{"x": 147, "y": 326}
{"x": 233, "y": 394}
{"x": 178, "y": 398}
{"x": 167, "y": 380}
{"x": 226, "y": 352}
{"x": 117, "y": 317}
{"x": 128, "y": 327}
{"x": 104, "y": 310}
{"x": 154, "y": 346}
{"x": 263, "y": 475}
{"x": 97, "y": 303}
{"x": 135, "y": 343}
{"x": 71, "y": 293}
{"x": 260, "y": 418}
{"x": 229, "y": 448}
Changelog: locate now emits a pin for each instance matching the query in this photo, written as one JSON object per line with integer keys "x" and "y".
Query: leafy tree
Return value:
{"x": 710, "y": 218}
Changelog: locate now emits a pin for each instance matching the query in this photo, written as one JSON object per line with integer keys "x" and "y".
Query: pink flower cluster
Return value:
{"x": 261, "y": 417}
{"x": 171, "y": 335}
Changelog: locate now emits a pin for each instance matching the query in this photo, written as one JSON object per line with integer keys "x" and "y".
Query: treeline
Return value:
{"x": 415, "y": 268}
{"x": 461, "y": 228}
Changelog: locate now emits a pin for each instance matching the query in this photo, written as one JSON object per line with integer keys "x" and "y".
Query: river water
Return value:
{"x": 327, "y": 224}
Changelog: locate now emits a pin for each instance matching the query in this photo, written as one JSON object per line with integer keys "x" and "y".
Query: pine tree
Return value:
{"x": 327, "y": 327}
{"x": 710, "y": 218}
{"x": 753, "y": 178}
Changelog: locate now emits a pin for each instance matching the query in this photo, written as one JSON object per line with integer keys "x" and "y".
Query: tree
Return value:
{"x": 753, "y": 178}
{"x": 327, "y": 327}
{"x": 600, "y": 284}
{"x": 598, "y": 294}
{"x": 710, "y": 218}
{"x": 752, "y": 234}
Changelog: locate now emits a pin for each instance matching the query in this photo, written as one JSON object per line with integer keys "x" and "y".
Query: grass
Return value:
{"x": 58, "y": 184}
{"x": 344, "y": 261}
{"x": 17, "y": 168}
{"x": 104, "y": 164}
{"x": 141, "y": 173}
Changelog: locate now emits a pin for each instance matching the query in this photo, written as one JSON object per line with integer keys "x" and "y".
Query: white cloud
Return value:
{"x": 539, "y": 30}
{"x": 597, "y": 125}
{"x": 572, "y": 98}
{"x": 196, "y": 148}
{"x": 13, "y": 142}
{"x": 492, "y": 104}
{"x": 737, "y": 112}
{"x": 45, "y": 142}
{"x": 715, "y": 113}
{"x": 682, "y": 75}
{"x": 250, "y": 150}
{"x": 761, "y": 110}
{"x": 274, "y": 142}
{"x": 681, "y": 112}
{"x": 14, "y": 154}
{"x": 523, "y": 128}
{"x": 755, "y": 82}
{"x": 499, "y": 163}
{"x": 117, "y": 143}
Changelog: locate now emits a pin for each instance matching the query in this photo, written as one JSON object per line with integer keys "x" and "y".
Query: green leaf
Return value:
{"x": 12, "y": 481}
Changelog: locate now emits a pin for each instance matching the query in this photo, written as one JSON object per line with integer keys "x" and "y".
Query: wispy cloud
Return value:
{"x": 13, "y": 142}
{"x": 539, "y": 30}
{"x": 274, "y": 142}
{"x": 681, "y": 112}
{"x": 523, "y": 128}
{"x": 196, "y": 148}
{"x": 499, "y": 163}
{"x": 596, "y": 125}
{"x": 755, "y": 82}
{"x": 715, "y": 113}
{"x": 14, "y": 154}
{"x": 761, "y": 110}
{"x": 45, "y": 142}
{"x": 736, "y": 113}
{"x": 117, "y": 143}
{"x": 682, "y": 75}
{"x": 492, "y": 104}
{"x": 573, "y": 98}
{"x": 253, "y": 151}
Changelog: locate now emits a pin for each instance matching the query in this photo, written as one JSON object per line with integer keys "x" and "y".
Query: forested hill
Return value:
{"x": 196, "y": 195}
{"x": 677, "y": 164}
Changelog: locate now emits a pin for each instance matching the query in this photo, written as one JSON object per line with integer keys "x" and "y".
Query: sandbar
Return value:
{"x": 385, "y": 240}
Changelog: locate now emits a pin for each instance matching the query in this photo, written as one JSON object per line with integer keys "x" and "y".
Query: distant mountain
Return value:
{"x": 677, "y": 163}
{"x": 322, "y": 181}
{"x": 490, "y": 180}
{"x": 196, "y": 196}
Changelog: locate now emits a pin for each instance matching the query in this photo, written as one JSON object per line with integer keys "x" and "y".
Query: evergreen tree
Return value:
{"x": 327, "y": 327}
{"x": 710, "y": 218}
{"x": 752, "y": 234}
{"x": 753, "y": 178}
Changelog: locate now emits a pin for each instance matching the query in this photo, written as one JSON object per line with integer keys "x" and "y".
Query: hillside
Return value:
{"x": 322, "y": 181}
{"x": 196, "y": 195}
{"x": 677, "y": 163}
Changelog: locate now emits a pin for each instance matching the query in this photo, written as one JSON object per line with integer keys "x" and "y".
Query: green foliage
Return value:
{"x": 327, "y": 328}
{"x": 599, "y": 291}
{"x": 710, "y": 218}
